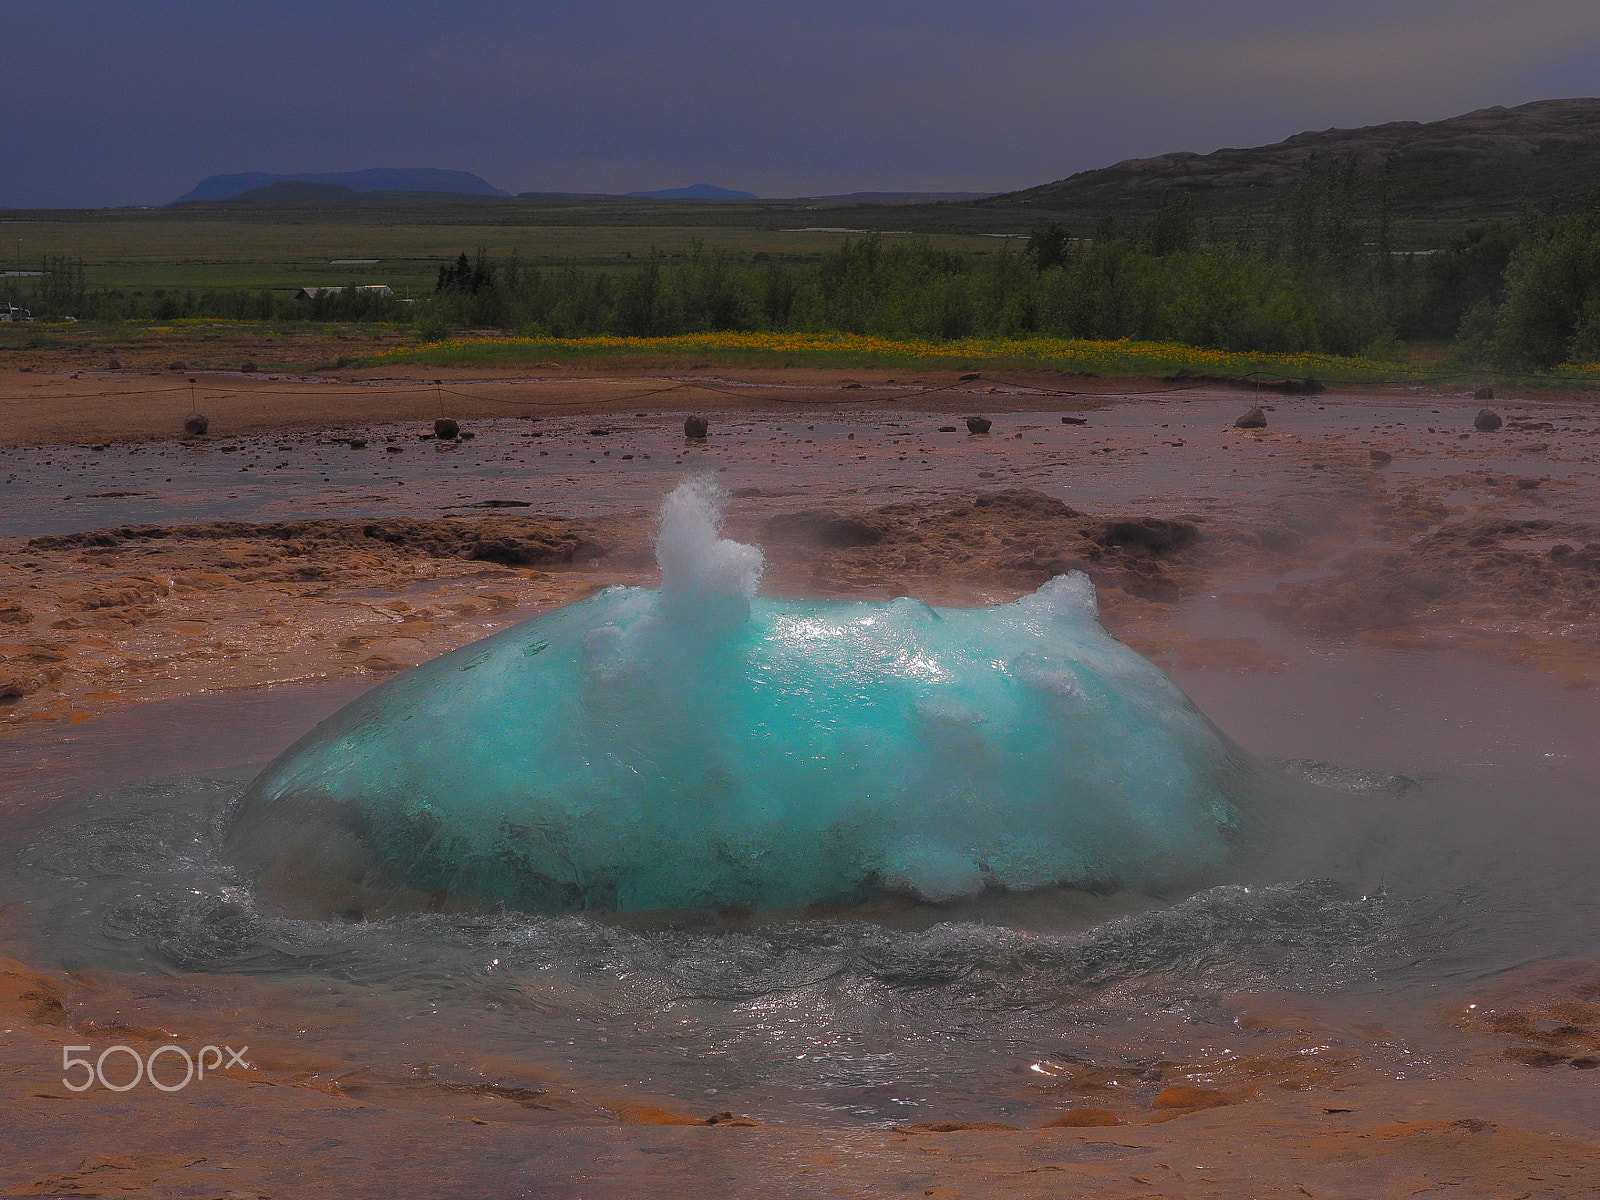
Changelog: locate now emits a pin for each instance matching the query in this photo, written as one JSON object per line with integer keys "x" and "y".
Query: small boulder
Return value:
{"x": 979, "y": 424}
{"x": 1256, "y": 418}
{"x": 248, "y": 368}
{"x": 445, "y": 429}
{"x": 696, "y": 428}
{"x": 1487, "y": 420}
{"x": 947, "y": 429}
{"x": 195, "y": 425}
{"x": 1380, "y": 457}
{"x": 114, "y": 365}
{"x": 1074, "y": 420}
{"x": 1484, "y": 393}
{"x": 968, "y": 376}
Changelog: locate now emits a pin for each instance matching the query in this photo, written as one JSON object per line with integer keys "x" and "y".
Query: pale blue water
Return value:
{"x": 646, "y": 749}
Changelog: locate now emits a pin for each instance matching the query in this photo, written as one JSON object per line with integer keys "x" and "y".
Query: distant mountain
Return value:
{"x": 295, "y": 193}
{"x": 378, "y": 179}
{"x": 1493, "y": 162}
{"x": 696, "y": 191}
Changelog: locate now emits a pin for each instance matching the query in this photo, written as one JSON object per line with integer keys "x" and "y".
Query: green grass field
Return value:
{"x": 211, "y": 247}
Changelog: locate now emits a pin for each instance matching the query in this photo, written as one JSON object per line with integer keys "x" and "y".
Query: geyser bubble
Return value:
{"x": 699, "y": 746}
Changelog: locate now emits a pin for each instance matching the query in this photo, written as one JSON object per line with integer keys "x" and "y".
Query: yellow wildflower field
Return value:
{"x": 1122, "y": 357}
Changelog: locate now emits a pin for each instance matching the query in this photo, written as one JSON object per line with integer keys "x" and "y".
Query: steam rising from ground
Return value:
{"x": 701, "y": 747}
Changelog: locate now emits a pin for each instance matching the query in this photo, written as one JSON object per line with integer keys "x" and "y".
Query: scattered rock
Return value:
{"x": 1182, "y": 1096}
{"x": 1025, "y": 500}
{"x": 1535, "y": 1056}
{"x": 1380, "y": 457}
{"x": 358, "y": 443}
{"x": 947, "y": 429}
{"x": 1484, "y": 393}
{"x": 979, "y": 424}
{"x": 696, "y": 428}
{"x": 196, "y": 425}
{"x": 1083, "y": 1118}
{"x": 968, "y": 376}
{"x": 14, "y": 687}
{"x": 649, "y": 1114}
{"x": 1256, "y": 418}
{"x": 395, "y": 449}
{"x": 467, "y": 435}
{"x": 1487, "y": 420}
{"x": 248, "y": 368}
{"x": 445, "y": 429}
{"x": 1074, "y": 420}
{"x": 114, "y": 365}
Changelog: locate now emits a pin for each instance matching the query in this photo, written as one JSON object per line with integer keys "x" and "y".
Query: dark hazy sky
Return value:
{"x": 132, "y": 103}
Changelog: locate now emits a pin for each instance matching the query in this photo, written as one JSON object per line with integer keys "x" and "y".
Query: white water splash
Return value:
{"x": 695, "y": 559}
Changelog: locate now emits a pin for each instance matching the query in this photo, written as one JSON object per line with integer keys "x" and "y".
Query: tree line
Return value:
{"x": 1320, "y": 276}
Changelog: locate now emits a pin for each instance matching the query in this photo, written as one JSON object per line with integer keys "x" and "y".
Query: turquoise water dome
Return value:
{"x": 699, "y": 746}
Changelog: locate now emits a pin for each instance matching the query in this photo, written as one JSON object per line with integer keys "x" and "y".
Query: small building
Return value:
{"x": 311, "y": 293}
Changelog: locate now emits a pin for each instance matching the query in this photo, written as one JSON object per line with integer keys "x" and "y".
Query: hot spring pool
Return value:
{"x": 848, "y": 864}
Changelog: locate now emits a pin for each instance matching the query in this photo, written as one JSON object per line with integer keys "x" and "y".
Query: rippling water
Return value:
{"x": 1377, "y": 889}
